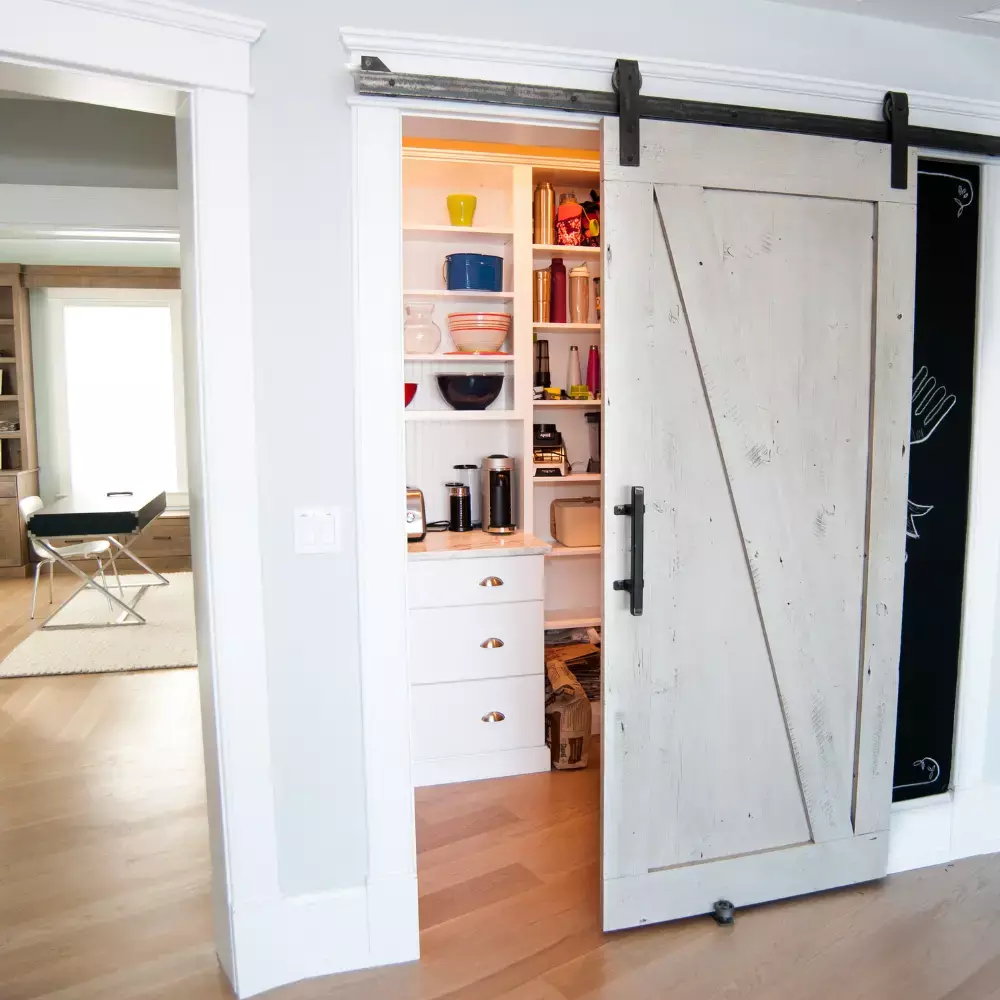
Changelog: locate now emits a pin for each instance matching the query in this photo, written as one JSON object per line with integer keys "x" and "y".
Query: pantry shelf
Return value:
{"x": 593, "y": 404}
{"x": 461, "y": 359}
{"x": 475, "y": 416}
{"x": 568, "y": 551}
{"x": 572, "y": 617}
{"x": 567, "y": 327}
{"x": 551, "y": 250}
{"x": 576, "y": 477}
{"x": 447, "y": 234}
{"x": 458, "y": 296}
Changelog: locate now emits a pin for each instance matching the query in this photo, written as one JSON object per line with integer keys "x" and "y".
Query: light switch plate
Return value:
{"x": 317, "y": 529}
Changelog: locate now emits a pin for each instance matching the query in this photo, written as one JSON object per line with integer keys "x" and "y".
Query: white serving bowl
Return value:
{"x": 479, "y": 339}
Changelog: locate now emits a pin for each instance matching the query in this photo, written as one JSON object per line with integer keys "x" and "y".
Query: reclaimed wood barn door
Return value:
{"x": 758, "y": 317}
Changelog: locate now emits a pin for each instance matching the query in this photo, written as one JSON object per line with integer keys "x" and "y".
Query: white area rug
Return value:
{"x": 166, "y": 640}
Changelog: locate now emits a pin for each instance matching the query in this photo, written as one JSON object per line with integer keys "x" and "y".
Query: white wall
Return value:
{"x": 300, "y": 191}
{"x": 62, "y": 142}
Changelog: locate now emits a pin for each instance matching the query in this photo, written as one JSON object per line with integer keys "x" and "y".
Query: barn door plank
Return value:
{"x": 784, "y": 345}
{"x": 691, "y": 709}
{"x": 896, "y": 254}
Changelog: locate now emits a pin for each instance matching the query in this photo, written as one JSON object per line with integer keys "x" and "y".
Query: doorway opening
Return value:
{"x": 501, "y": 277}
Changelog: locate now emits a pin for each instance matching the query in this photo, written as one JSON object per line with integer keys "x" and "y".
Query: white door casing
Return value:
{"x": 758, "y": 331}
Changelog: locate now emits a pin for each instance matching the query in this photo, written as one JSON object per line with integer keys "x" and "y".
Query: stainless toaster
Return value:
{"x": 416, "y": 520}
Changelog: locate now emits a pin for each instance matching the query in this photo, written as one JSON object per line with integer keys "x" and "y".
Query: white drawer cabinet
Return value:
{"x": 445, "y": 583}
{"x": 477, "y": 667}
{"x": 474, "y": 643}
{"x": 482, "y": 716}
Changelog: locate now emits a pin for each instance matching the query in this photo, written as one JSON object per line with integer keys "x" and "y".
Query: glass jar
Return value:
{"x": 421, "y": 335}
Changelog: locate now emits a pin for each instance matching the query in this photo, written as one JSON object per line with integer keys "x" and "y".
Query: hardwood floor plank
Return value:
{"x": 475, "y": 894}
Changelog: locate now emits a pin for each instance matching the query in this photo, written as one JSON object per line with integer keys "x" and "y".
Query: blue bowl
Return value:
{"x": 470, "y": 391}
{"x": 473, "y": 272}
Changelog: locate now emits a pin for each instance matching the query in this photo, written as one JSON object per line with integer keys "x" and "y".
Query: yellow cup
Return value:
{"x": 461, "y": 208}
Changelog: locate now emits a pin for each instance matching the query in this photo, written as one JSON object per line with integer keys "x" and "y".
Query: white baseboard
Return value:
{"x": 944, "y": 828}
{"x": 476, "y": 766}
{"x": 299, "y": 937}
{"x": 319, "y": 935}
{"x": 394, "y": 926}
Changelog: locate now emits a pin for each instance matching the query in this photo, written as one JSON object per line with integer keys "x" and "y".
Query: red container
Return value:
{"x": 409, "y": 391}
{"x": 557, "y": 309}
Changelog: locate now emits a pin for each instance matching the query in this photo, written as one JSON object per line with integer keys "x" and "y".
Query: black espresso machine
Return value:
{"x": 498, "y": 495}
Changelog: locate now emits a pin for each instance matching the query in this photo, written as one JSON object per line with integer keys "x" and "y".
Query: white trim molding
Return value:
{"x": 678, "y": 78}
{"x": 145, "y": 41}
{"x": 179, "y": 15}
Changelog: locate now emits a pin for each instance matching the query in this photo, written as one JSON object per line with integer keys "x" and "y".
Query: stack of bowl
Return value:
{"x": 479, "y": 333}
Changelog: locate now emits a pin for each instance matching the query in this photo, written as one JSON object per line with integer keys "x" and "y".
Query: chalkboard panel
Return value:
{"x": 940, "y": 439}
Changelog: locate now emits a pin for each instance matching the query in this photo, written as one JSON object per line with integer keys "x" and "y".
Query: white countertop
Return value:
{"x": 470, "y": 544}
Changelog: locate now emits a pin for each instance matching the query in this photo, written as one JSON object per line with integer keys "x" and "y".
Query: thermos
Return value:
{"x": 579, "y": 294}
{"x": 594, "y": 371}
{"x": 544, "y": 214}
{"x": 543, "y": 296}
{"x": 573, "y": 376}
{"x": 557, "y": 307}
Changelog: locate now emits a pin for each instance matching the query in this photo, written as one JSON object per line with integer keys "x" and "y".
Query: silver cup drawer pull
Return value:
{"x": 494, "y": 717}
{"x": 491, "y": 581}
{"x": 493, "y": 643}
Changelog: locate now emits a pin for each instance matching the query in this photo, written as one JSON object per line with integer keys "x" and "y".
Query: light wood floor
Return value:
{"x": 104, "y": 882}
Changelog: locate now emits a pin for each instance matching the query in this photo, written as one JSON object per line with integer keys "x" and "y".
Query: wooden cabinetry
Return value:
{"x": 18, "y": 448}
{"x": 14, "y": 487}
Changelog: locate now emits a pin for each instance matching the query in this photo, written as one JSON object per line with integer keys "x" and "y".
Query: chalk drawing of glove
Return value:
{"x": 931, "y": 403}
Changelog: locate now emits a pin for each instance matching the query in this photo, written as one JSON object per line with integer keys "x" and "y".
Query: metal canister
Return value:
{"x": 459, "y": 507}
{"x": 544, "y": 214}
{"x": 542, "y": 299}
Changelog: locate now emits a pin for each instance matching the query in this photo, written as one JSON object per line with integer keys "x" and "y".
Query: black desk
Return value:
{"x": 105, "y": 516}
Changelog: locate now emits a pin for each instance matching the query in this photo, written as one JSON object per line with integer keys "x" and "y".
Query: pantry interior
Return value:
{"x": 481, "y": 604}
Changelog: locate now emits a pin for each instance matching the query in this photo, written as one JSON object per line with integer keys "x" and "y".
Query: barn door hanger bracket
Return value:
{"x": 625, "y": 82}
{"x": 896, "y": 111}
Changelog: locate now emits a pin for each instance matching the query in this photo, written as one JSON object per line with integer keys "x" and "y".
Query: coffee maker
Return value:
{"x": 498, "y": 495}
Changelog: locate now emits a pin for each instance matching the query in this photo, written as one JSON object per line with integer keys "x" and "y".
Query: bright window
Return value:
{"x": 120, "y": 398}
{"x": 109, "y": 392}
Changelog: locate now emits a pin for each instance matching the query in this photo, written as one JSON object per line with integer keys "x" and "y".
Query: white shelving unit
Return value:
{"x": 438, "y": 437}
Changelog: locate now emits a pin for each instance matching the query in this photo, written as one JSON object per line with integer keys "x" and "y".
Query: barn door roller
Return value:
{"x": 373, "y": 78}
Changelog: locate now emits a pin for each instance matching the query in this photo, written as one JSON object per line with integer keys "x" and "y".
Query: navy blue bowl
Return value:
{"x": 469, "y": 392}
{"x": 473, "y": 272}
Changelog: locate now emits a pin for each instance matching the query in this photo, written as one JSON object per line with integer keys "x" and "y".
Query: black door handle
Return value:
{"x": 636, "y": 510}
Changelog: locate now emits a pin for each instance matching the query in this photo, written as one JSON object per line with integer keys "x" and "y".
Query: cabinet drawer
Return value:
{"x": 168, "y": 536}
{"x": 448, "y": 718}
{"x": 464, "y": 644}
{"x": 8, "y": 486}
{"x": 443, "y": 583}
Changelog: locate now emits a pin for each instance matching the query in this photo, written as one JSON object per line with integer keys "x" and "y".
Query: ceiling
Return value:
{"x": 952, "y": 15}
